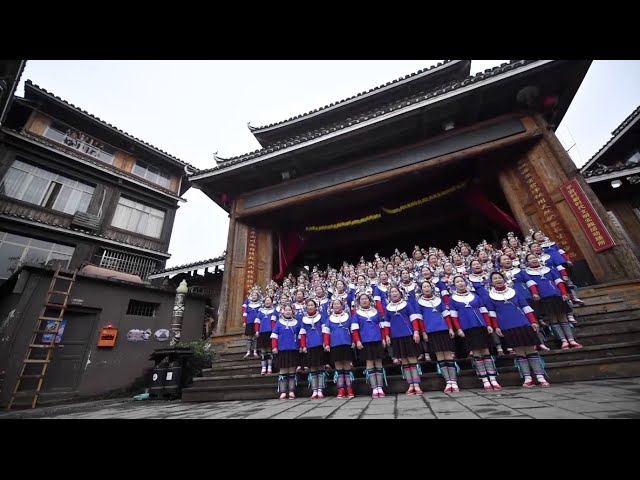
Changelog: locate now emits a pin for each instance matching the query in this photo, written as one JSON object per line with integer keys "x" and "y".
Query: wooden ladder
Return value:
{"x": 40, "y": 354}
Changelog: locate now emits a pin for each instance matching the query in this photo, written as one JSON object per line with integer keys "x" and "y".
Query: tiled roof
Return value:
{"x": 602, "y": 169}
{"x": 6, "y": 212}
{"x": 88, "y": 158}
{"x": 619, "y": 129}
{"x": 122, "y": 132}
{"x": 626, "y": 121}
{"x": 395, "y": 105}
{"x": 189, "y": 265}
{"x": 351, "y": 98}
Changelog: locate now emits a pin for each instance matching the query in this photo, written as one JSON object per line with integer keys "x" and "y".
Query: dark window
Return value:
{"x": 36, "y": 185}
{"x": 17, "y": 249}
{"x": 143, "y": 309}
{"x": 139, "y": 218}
{"x": 151, "y": 173}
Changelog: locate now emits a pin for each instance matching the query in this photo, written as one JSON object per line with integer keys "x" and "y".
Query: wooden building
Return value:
{"x": 79, "y": 193}
{"x": 430, "y": 158}
{"x": 76, "y": 190}
{"x": 614, "y": 175}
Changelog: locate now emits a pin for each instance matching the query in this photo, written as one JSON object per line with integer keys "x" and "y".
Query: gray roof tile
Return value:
{"x": 315, "y": 110}
{"x": 122, "y": 132}
{"x": 194, "y": 264}
{"x": 395, "y": 105}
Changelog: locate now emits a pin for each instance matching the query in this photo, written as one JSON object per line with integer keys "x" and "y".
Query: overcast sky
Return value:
{"x": 194, "y": 108}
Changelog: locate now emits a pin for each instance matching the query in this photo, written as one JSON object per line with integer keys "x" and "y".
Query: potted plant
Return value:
{"x": 203, "y": 356}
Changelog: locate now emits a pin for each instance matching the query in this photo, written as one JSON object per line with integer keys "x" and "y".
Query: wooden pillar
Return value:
{"x": 531, "y": 185}
{"x": 620, "y": 261}
{"x": 224, "y": 291}
{"x": 248, "y": 262}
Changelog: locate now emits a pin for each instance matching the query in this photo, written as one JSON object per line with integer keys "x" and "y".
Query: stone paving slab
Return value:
{"x": 520, "y": 402}
{"x": 551, "y": 413}
{"x": 619, "y": 414}
{"x": 489, "y": 412}
{"x": 602, "y": 399}
{"x": 463, "y": 415}
{"x": 583, "y": 406}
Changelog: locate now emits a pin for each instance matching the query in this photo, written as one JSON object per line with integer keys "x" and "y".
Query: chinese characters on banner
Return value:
{"x": 553, "y": 225}
{"x": 252, "y": 260}
{"x": 590, "y": 222}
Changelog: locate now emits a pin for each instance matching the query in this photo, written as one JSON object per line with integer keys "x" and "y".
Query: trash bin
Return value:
{"x": 173, "y": 378}
{"x": 166, "y": 380}
{"x": 158, "y": 377}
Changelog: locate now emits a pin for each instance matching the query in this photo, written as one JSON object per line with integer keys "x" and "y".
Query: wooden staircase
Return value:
{"x": 608, "y": 327}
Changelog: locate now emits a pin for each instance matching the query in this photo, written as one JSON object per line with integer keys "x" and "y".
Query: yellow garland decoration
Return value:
{"x": 377, "y": 216}
{"x": 350, "y": 223}
{"x": 421, "y": 201}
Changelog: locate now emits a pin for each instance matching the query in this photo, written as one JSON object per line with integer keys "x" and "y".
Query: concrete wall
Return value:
{"x": 103, "y": 303}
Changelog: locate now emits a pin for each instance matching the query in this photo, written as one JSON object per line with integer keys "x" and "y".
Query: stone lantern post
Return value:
{"x": 178, "y": 313}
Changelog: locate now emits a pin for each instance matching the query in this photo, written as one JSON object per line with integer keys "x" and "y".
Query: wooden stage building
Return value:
{"x": 432, "y": 158}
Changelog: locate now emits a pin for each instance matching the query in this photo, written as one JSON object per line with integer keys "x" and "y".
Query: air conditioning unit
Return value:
{"x": 86, "y": 221}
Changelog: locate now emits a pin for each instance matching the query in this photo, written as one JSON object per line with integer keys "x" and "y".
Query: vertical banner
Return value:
{"x": 553, "y": 224}
{"x": 251, "y": 269}
{"x": 590, "y": 222}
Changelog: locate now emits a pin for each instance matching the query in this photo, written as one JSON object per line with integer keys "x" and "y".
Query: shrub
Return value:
{"x": 203, "y": 356}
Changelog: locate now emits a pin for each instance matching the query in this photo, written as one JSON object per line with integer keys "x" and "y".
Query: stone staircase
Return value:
{"x": 608, "y": 327}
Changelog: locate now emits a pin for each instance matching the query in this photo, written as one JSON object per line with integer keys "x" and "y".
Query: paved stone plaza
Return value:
{"x": 619, "y": 398}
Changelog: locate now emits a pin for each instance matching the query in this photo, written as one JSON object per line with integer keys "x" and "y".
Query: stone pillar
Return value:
{"x": 178, "y": 313}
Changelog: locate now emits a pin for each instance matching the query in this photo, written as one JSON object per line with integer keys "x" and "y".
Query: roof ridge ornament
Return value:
{"x": 218, "y": 159}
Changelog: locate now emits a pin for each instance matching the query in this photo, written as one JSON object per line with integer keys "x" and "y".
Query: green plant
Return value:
{"x": 203, "y": 356}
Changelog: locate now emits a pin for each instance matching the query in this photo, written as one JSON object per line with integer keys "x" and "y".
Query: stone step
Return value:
{"x": 624, "y": 312}
{"x": 236, "y": 350}
{"x": 232, "y": 374}
{"x": 588, "y": 310}
{"x": 620, "y": 324}
{"x": 585, "y": 326}
{"x": 613, "y": 288}
{"x": 604, "y": 301}
{"x": 613, "y": 318}
{"x": 566, "y": 371}
{"x": 234, "y": 356}
{"x": 599, "y": 337}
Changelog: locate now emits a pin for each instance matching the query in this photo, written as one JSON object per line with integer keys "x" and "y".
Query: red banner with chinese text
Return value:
{"x": 251, "y": 270}
{"x": 590, "y": 222}
{"x": 552, "y": 222}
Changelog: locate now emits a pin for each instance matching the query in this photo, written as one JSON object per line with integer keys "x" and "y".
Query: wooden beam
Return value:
{"x": 532, "y": 131}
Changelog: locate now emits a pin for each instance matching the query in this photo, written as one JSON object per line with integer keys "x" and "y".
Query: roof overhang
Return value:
{"x": 11, "y": 77}
{"x": 82, "y": 234}
{"x": 603, "y": 177}
{"x": 429, "y": 78}
{"x": 34, "y": 93}
{"x": 564, "y": 77}
{"x": 186, "y": 269}
{"x": 611, "y": 144}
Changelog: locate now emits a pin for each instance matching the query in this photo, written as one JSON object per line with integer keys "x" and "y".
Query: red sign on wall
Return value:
{"x": 590, "y": 222}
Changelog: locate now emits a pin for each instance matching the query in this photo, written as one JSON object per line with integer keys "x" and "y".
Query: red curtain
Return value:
{"x": 289, "y": 246}
{"x": 477, "y": 199}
